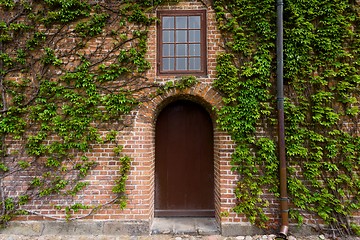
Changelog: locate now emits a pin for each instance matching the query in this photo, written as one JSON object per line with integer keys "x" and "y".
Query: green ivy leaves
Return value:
{"x": 244, "y": 79}
{"x": 92, "y": 27}
{"x": 321, "y": 92}
{"x": 321, "y": 109}
{"x": 70, "y": 71}
{"x": 65, "y": 11}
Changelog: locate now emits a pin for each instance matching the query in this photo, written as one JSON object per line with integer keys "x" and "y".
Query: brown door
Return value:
{"x": 184, "y": 167}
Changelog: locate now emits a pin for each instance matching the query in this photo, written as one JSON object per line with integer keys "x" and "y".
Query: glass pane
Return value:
{"x": 168, "y": 50}
{"x": 168, "y": 22}
{"x": 181, "y": 22}
{"x": 194, "y": 22}
{"x": 181, "y": 63}
{"x": 194, "y": 64}
{"x": 168, "y": 36}
{"x": 194, "y": 49}
{"x": 167, "y": 64}
{"x": 194, "y": 36}
{"x": 181, "y": 50}
{"x": 181, "y": 36}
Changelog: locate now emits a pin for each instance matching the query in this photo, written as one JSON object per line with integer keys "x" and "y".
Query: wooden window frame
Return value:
{"x": 203, "y": 42}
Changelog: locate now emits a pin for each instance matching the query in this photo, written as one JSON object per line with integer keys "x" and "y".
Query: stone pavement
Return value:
{"x": 162, "y": 229}
{"x": 189, "y": 226}
{"x": 153, "y": 237}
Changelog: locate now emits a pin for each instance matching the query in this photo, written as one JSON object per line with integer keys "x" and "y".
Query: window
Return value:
{"x": 182, "y": 42}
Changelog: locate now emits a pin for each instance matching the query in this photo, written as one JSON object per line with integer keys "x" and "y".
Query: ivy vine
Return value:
{"x": 322, "y": 106}
{"x": 61, "y": 85}
{"x": 69, "y": 71}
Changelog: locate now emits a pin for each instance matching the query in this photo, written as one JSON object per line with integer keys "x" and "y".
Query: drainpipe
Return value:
{"x": 281, "y": 126}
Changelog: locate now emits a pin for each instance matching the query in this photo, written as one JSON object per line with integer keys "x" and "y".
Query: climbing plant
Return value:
{"x": 322, "y": 77}
{"x": 245, "y": 77}
{"x": 70, "y": 70}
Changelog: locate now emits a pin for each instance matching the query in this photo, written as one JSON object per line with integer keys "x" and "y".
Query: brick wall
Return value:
{"x": 204, "y": 94}
{"x": 138, "y": 140}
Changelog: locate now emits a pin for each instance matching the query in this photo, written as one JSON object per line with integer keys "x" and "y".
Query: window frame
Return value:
{"x": 203, "y": 42}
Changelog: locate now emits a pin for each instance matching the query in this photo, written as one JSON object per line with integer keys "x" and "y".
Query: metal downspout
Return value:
{"x": 281, "y": 126}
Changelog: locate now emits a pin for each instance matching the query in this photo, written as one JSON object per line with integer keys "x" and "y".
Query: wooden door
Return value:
{"x": 184, "y": 166}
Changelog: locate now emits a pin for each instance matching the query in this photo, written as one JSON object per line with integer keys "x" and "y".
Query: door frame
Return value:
{"x": 142, "y": 177}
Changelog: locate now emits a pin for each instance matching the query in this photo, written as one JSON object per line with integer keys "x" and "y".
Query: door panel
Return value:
{"x": 184, "y": 167}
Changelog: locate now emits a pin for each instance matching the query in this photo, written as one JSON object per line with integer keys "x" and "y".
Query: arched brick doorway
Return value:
{"x": 184, "y": 161}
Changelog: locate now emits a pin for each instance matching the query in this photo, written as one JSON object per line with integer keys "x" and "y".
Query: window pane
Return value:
{"x": 168, "y": 36}
{"x": 194, "y": 36}
{"x": 181, "y": 63}
{"x": 181, "y": 50}
{"x": 194, "y": 50}
{"x": 168, "y": 50}
{"x": 194, "y": 22}
{"x": 194, "y": 64}
{"x": 181, "y": 22}
{"x": 182, "y": 42}
{"x": 181, "y": 36}
{"x": 167, "y": 64}
{"x": 168, "y": 22}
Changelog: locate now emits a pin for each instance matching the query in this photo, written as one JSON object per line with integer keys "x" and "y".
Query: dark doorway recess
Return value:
{"x": 184, "y": 166}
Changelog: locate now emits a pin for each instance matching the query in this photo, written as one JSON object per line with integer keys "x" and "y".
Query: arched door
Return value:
{"x": 184, "y": 166}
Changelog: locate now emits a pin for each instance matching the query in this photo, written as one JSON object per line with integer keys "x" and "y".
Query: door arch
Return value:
{"x": 184, "y": 161}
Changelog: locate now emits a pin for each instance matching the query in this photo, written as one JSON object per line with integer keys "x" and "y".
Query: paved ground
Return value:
{"x": 189, "y": 226}
{"x": 163, "y": 229}
{"x": 153, "y": 237}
